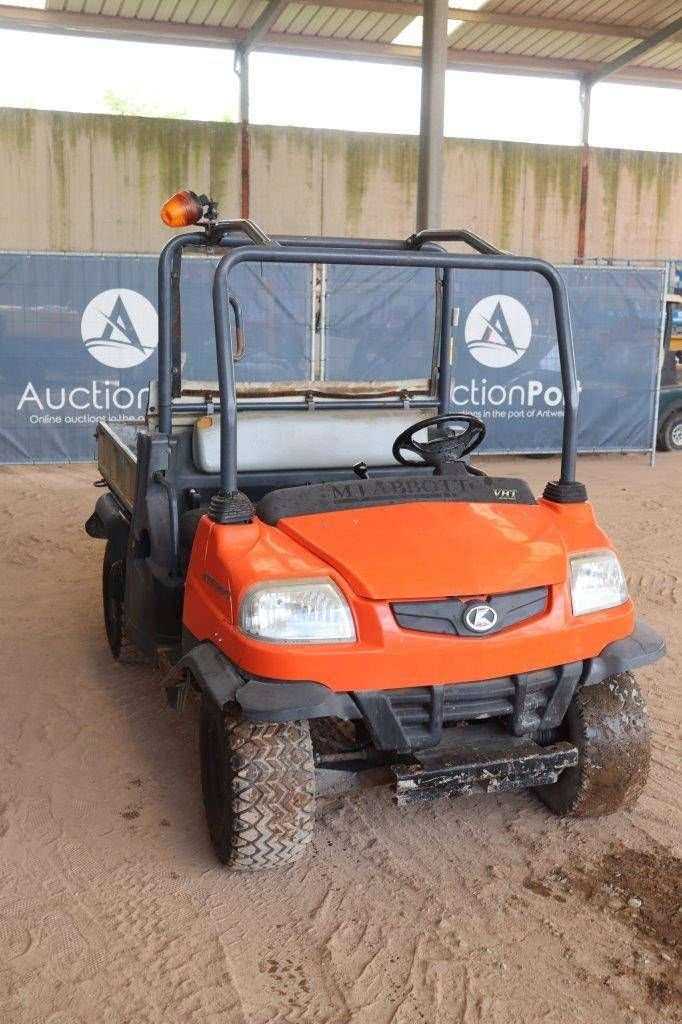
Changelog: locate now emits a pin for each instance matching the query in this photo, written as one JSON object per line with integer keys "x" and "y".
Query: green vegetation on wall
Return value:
{"x": 527, "y": 183}
{"x": 293, "y": 146}
{"x": 65, "y": 138}
{"x": 653, "y": 179}
{"x": 366, "y": 162}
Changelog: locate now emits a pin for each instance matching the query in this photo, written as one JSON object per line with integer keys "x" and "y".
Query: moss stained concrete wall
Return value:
{"x": 635, "y": 204}
{"x": 95, "y": 183}
{"x": 523, "y": 197}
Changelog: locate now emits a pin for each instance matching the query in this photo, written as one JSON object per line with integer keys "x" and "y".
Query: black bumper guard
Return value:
{"x": 413, "y": 718}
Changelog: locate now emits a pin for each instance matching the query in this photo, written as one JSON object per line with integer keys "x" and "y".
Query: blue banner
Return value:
{"x": 78, "y": 337}
{"x": 505, "y": 359}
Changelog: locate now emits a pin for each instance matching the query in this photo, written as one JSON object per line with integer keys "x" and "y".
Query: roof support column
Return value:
{"x": 585, "y": 98}
{"x": 242, "y": 69}
{"x": 263, "y": 23}
{"x": 431, "y": 126}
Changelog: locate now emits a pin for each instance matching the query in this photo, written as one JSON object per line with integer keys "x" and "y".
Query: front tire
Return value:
{"x": 258, "y": 783}
{"x": 609, "y": 725}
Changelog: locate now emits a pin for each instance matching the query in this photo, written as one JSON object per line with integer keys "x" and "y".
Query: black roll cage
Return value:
{"x": 419, "y": 250}
{"x": 226, "y": 234}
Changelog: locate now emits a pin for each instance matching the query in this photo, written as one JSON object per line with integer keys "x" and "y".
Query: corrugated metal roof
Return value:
{"x": 556, "y": 37}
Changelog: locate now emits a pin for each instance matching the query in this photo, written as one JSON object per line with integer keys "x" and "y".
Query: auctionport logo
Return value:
{"x": 119, "y": 328}
{"x": 498, "y": 331}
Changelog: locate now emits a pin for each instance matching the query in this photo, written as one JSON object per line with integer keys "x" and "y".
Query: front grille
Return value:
{"x": 448, "y": 615}
{"x": 414, "y": 718}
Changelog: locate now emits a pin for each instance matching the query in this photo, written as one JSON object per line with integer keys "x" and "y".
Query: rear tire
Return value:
{"x": 608, "y": 723}
{"x": 670, "y": 434}
{"x": 258, "y": 783}
{"x": 113, "y": 583}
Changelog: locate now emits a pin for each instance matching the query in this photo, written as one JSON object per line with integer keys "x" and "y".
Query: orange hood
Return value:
{"x": 430, "y": 550}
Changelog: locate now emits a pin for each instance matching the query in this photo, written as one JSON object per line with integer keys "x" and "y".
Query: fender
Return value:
{"x": 267, "y": 700}
{"x": 109, "y": 521}
{"x": 642, "y": 647}
{"x": 207, "y": 668}
{"x": 261, "y": 700}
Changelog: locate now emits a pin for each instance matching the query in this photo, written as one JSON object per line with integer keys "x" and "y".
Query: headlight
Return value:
{"x": 597, "y": 582}
{"x": 296, "y": 612}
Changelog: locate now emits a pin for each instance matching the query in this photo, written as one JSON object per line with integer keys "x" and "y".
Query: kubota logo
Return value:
{"x": 498, "y": 330}
{"x": 480, "y": 617}
{"x": 119, "y": 328}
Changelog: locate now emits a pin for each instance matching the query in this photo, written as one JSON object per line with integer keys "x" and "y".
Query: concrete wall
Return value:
{"x": 96, "y": 182}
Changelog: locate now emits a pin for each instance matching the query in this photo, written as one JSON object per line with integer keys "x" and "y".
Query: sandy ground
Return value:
{"x": 113, "y": 909}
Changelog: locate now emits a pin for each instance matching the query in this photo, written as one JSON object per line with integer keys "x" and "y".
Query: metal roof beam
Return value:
{"x": 485, "y": 17}
{"x": 613, "y": 66}
{"x": 103, "y": 26}
{"x": 588, "y": 28}
{"x": 462, "y": 60}
{"x": 149, "y": 31}
{"x": 408, "y": 10}
{"x": 263, "y": 23}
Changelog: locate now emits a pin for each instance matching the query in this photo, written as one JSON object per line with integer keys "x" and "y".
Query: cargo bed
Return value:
{"x": 117, "y": 459}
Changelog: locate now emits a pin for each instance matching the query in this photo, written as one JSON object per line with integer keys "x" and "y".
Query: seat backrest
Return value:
{"x": 310, "y": 439}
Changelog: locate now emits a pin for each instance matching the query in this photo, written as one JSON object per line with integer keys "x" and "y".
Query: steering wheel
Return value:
{"x": 446, "y": 446}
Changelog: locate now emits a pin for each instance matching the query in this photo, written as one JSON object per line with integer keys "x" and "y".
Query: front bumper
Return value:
{"x": 413, "y": 718}
{"x": 530, "y": 702}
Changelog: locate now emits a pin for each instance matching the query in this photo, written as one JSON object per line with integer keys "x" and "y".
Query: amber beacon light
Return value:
{"x": 182, "y": 209}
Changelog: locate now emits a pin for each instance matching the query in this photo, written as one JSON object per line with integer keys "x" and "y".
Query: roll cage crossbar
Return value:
{"x": 420, "y": 250}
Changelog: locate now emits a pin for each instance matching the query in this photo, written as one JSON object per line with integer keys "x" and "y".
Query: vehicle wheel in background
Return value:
{"x": 113, "y": 582}
{"x": 670, "y": 434}
{"x": 608, "y": 723}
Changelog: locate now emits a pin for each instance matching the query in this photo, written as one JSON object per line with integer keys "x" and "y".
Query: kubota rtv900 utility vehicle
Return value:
{"x": 405, "y": 618}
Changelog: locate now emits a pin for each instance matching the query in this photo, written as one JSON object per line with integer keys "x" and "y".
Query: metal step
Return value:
{"x": 479, "y": 761}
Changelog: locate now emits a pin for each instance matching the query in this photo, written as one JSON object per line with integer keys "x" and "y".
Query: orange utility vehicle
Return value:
{"x": 406, "y": 619}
